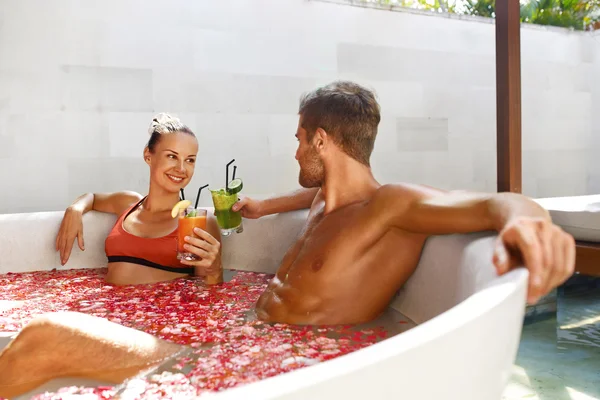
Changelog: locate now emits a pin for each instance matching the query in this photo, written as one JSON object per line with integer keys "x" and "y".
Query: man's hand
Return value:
{"x": 248, "y": 207}
{"x": 544, "y": 248}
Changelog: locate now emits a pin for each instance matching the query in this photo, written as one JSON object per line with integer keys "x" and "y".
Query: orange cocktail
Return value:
{"x": 189, "y": 219}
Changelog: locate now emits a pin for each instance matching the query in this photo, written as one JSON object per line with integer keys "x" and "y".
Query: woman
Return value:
{"x": 142, "y": 246}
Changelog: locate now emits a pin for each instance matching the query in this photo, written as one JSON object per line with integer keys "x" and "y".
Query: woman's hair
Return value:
{"x": 163, "y": 124}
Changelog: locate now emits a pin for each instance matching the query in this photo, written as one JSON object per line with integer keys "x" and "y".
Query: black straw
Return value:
{"x": 227, "y": 174}
{"x": 198, "y": 197}
{"x": 182, "y": 195}
{"x": 234, "y": 169}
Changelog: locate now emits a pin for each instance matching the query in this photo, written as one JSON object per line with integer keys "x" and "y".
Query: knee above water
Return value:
{"x": 60, "y": 319}
{"x": 45, "y": 326}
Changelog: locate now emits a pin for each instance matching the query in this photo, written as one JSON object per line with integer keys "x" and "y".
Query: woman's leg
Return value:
{"x": 69, "y": 344}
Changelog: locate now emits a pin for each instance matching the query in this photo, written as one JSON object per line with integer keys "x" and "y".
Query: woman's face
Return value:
{"x": 173, "y": 160}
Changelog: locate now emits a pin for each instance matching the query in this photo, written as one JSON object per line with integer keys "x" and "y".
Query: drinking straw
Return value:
{"x": 227, "y": 174}
{"x": 234, "y": 169}
{"x": 198, "y": 197}
{"x": 182, "y": 195}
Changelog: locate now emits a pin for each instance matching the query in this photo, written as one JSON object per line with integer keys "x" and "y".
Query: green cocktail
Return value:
{"x": 229, "y": 221}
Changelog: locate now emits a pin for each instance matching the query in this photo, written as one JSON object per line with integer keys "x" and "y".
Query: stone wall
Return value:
{"x": 79, "y": 83}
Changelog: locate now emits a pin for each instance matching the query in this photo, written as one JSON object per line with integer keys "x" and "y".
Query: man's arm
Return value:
{"x": 435, "y": 212}
{"x": 296, "y": 200}
{"x": 527, "y": 235}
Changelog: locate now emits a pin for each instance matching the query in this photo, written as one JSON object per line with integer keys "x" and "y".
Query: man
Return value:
{"x": 359, "y": 236}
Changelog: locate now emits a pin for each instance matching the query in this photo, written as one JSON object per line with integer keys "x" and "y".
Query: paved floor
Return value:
{"x": 559, "y": 358}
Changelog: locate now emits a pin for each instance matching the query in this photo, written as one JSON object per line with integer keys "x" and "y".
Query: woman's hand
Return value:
{"x": 71, "y": 227}
{"x": 207, "y": 248}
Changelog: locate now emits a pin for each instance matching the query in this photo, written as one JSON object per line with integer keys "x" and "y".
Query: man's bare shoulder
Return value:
{"x": 392, "y": 202}
{"x": 405, "y": 192}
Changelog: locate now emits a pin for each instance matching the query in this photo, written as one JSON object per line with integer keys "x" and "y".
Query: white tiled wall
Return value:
{"x": 80, "y": 81}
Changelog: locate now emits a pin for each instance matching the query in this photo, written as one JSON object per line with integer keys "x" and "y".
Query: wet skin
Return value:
{"x": 345, "y": 267}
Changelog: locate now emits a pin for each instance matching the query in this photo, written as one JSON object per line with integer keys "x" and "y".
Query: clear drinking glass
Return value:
{"x": 189, "y": 219}
{"x": 229, "y": 221}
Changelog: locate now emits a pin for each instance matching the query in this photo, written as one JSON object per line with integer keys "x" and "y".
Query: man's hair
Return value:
{"x": 348, "y": 112}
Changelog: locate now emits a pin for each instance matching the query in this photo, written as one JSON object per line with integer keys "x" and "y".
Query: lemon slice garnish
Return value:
{"x": 183, "y": 204}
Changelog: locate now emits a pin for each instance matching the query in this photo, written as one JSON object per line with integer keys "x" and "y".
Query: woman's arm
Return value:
{"x": 113, "y": 203}
{"x": 71, "y": 226}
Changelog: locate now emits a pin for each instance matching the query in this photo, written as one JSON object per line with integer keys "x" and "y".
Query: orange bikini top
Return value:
{"x": 159, "y": 253}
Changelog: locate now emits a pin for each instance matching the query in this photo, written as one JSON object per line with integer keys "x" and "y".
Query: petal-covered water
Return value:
{"x": 226, "y": 345}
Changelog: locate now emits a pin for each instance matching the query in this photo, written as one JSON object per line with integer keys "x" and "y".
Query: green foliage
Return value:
{"x": 481, "y": 8}
{"x": 565, "y": 13}
{"x": 431, "y": 5}
{"x": 574, "y": 14}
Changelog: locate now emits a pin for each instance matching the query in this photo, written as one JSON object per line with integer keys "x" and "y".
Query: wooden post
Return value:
{"x": 508, "y": 95}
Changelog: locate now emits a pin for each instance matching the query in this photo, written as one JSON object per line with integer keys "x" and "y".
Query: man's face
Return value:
{"x": 311, "y": 167}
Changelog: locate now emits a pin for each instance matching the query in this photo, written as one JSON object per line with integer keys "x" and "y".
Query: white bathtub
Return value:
{"x": 469, "y": 320}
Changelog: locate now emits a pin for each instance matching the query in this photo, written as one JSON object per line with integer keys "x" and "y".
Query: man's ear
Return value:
{"x": 320, "y": 139}
{"x": 147, "y": 155}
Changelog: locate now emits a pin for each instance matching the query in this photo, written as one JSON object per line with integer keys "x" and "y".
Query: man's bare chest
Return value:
{"x": 329, "y": 241}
